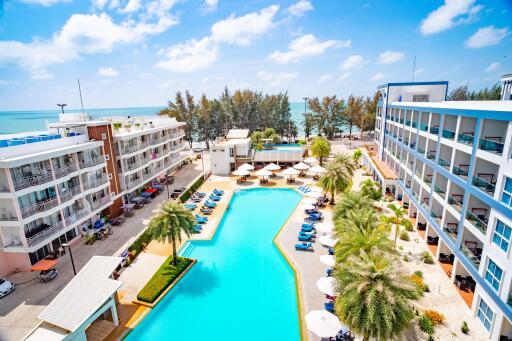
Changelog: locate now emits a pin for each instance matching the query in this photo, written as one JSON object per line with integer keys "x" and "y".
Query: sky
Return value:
{"x": 130, "y": 53}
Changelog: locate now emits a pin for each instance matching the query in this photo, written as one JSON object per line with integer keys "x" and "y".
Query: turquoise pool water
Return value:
{"x": 241, "y": 287}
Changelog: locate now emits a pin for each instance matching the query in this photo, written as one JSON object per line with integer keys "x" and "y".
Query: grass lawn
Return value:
{"x": 162, "y": 279}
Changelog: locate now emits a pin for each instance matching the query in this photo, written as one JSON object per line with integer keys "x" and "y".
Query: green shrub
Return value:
{"x": 427, "y": 258}
{"x": 464, "y": 328}
{"x": 404, "y": 236}
{"x": 418, "y": 273}
{"x": 186, "y": 195}
{"x": 426, "y": 325}
{"x": 406, "y": 259}
{"x": 138, "y": 245}
{"x": 409, "y": 227}
{"x": 162, "y": 279}
{"x": 302, "y": 142}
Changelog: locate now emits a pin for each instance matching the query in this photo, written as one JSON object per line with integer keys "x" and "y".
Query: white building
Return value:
{"x": 229, "y": 153}
{"x": 451, "y": 162}
{"x": 55, "y": 184}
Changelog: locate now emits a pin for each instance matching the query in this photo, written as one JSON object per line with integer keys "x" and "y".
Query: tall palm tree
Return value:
{"x": 169, "y": 224}
{"x": 351, "y": 200}
{"x": 338, "y": 176}
{"x": 397, "y": 219}
{"x": 374, "y": 298}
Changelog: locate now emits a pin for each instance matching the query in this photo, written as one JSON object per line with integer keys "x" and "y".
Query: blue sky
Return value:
{"x": 139, "y": 52}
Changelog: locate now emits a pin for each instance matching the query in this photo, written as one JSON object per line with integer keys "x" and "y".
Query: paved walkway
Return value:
{"x": 19, "y": 310}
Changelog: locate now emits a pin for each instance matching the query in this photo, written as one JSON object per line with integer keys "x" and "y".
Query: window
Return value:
{"x": 420, "y": 98}
{"x": 493, "y": 275}
{"x": 506, "y": 197}
{"x": 501, "y": 235}
{"x": 231, "y": 151}
{"x": 485, "y": 314}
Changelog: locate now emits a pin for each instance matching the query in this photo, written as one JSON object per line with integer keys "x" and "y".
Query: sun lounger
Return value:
{"x": 190, "y": 207}
{"x": 210, "y": 204}
{"x": 200, "y": 194}
{"x": 307, "y": 234}
{"x": 214, "y": 198}
{"x": 328, "y": 272}
{"x": 315, "y": 216}
{"x": 206, "y": 211}
{"x": 309, "y": 225}
{"x": 197, "y": 228}
{"x": 218, "y": 191}
{"x": 304, "y": 247}
{"x": 307, "y": 229}
{"x": 331, "y": 251}
{"x": 313, "y": 211}
{"x": 329, "y": 306}
{"x": 201, "y": 219}
{"x": 305, "y": 238}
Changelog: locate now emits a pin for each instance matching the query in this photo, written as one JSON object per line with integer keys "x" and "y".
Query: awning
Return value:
{"x": 98, "y": 224}
{"x": 157, "y": 186}
{"x": 151, "y": 190}
{"x": 146, "y": 194}
{"x": 44, "y": 265}
{"x": 137, "y": 199}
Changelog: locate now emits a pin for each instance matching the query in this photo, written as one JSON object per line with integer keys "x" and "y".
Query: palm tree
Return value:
{"x": 320, "y": 148}
{"x": 169, "y": 223}
{"x": 374, "y": 298}
{"x": 371, "y": 189}
{"x": 351, "y": 200}
{"x": 338, "y": 176}
{"x": 397, "y": 219}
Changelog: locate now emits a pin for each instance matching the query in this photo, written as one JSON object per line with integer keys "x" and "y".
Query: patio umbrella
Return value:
{"x": 327, "y": 286}
{"x": 316, "y": 189}
{"x": 323, "y": 323}
{"x": 324, "y": 227}
{"x": 310, "y": 201}
{"x": 317, "y": 169}
{"x": 327, "y": 260}
{"x": 290, "y": 171}
{"x": 314, "y": 194}
{"x": 241, "y": 172}
{"x": 272, "y": 167}
{"x": 263, "y": 172}
{"x": 301, "y": 166}
{"x": 308, "y": 207}
{"x": 327, "y": 241}
{"x": 246, "y": 166}
{"x": 311, "y": 159}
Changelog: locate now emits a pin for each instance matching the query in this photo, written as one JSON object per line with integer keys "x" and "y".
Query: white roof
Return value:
{"x": 238, "y": 133}
{"x": 47, "y": 332}
{"x": 463, "y": 105}
{"x": 84, "y": 295}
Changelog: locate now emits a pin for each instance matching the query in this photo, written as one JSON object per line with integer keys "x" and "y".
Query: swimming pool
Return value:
{"x": 241, "y": 286}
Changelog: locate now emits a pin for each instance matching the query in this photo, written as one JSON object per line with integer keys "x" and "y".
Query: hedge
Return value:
{"x": 136, "y": 246}
{"x": 162, "y": 279}
{"x": 186, "y": 195}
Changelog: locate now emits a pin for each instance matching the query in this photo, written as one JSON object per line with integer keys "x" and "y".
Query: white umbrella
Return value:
{"x": 323, "y": 323}
{"x": 308, "y": 207}
{"x": 272, "y": 167}
{"x": 316, "y": 189}
{"x": 314, "y": 194}
{"x": 290, "y": 171}
{"x": 327, "y": 260}
{"x": 310, "y": 159}
{"x": 327, "y": 241}
{"x": 327, "y": 286}
{"x": 263, "y": 172}
{"x": 246, "y": 166}
{"x": 241, "y": 172}
{"x": 301, "y": 166}
{"x": 324, "y": 227}
{"x": 310, "y": 201}
{"x": 317, "y": 169}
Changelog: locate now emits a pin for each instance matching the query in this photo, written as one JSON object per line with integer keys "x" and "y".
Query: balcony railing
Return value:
{"x": 460, "y": 171}
{"x": 144, "y": 144}
{"x": 477, "y": 222}
{"x": 96, "y": 182}
{"x": 91, "y": 162}
{"x": 131, "y": 148}
{"x": 61, "y": 172}
{"x": 70, "y": 220}
{"x": 35, "y": 180}
{"x": 147, "y": 175}
{"x": 439, "y": 191}
{"x": 448, "y": 134}
{"x": 491, "y": 146}
{"x": 427, "y": 179}
{"x": 431, "y": 155}
{"x": 103, "y": 201}
{"x": 131, "y": 166}
{"x": 45, "y": 234}
{"x": 450, "y": 232}
{"x": 434, "y": 130}
{"x": 443, "y": 163}
{"x": 69, "y": 194}
{"x": 133, "y": 183}
{"x": 473, "y": 258}
{"x": 8, "y": 215}
{"x": 39, "y": 207}
{"x": 423, "y": 127}
{"x": 421, "y": 150}
{"x": 455, "y": 203}
{"x": 483, "y": 185}
{"x": 466, "y": 139}
{"x": 408, "y": 122}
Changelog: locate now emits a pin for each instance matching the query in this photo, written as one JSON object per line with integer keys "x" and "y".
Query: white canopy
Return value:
{"x": 246, "y": 166}
{"x": 325, "y": 227}
{"x": 263, "y": 172}
{"x": 327, "y": 241}
{"x": 310, "y": 159}
{"x": 314, "y": 194}
{"x": 327, "y": 285}
{"x": 308, "y": 207}
{"x": 290, "y": 171}
{"x": 301, "y": 166}
{"x": 323, "y": 323}
{"x": 272, "y": 167}
{"x": 309, "y": 201}
{"x": 327, "y": 260}
{"x": 241, "y": 172}
{"x": 317, "y": 169}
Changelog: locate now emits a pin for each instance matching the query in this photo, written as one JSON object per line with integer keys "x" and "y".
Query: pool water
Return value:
{"x": 241, "y": 287}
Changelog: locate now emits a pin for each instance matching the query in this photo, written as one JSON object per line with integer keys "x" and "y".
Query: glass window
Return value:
{"x": 485, "y": 314}
{"x": 493, "y": 275}
{"x": 501, "y": 235}
{"x": 506, "y": 197}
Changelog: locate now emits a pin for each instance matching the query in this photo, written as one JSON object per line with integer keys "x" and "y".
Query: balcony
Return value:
{"x": 130, "y": 149}
{"x": 96, "y": 182}
{"x": 85, "y": 163}
{"x": 45, "y": 234}
{"x": 427, "y": 178}
{"x": 39, "y": 207}
{"x": 144, "y": 144}
{"x": 443, "y": 163}
{"x": 68, "y": 194}
{"x": 35, "y": 180}
{"x": 448, "y": 134}
{"x": 483, "y": 185}
{"x": 147, "y": 175}
{"x": 434, "y": 130}
{"x": 99, "y": 203}
{"x": 8, "y": 215}
{"x": 73, "y": 218}
{"x": 439, "y": 191}
{"x": 451, "y": 230}
{"x": 133, "y": 183}
{"x": 132, "y": 166}
{"x": 62, "y": 172}
{"x": 458, "y": 170}
{"x": 423, "y": 127}
{"x": 480, "y": 224}
{"x": 456, "y": 201}
{"x": 472, "y": 255}
{"x": 491, "y": 146}
{"x": 431, "y": 155}
{"x": 436, "y": 217}
{"x": 466, "y": 139}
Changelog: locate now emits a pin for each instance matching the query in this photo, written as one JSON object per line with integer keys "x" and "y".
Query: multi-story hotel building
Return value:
{"x": 54, "y": 185}
{"x": 451, "y": 162}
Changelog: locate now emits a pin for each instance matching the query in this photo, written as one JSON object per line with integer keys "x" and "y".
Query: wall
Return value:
{"x": 220, "y": 163}
{"x": 9, "y": 261}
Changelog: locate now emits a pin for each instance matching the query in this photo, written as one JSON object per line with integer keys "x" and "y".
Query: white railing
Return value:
{"x": 39, "y": 207}
{"x": 103, "y": 201}
{"x": 69, "y": 194}
{"x": 147, "y": 175}
{"x": 8, "y": 216}
{"x": 45, "y": 234}
{"x": 35, "y": 180}
{"x": 96, "y": 182}
{"x": 91, "y": 162}
{"x": 61, "y": 172}
{"x": 76, "y": 216}
{"x": 131, "y": 149}
{"x": 132, "y": 183}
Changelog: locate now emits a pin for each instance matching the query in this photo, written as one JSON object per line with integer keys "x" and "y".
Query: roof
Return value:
{"x": 47, "y": 332}
{"x": 44, "y": 265}
{"x": 90, "y": 289}
{"x": 460, "y": 105}
{"x": 232, "y": 142}
{"x": 238, "y": 134}
{"x": 412, "y": 83}
{"x": 278, "y": 156}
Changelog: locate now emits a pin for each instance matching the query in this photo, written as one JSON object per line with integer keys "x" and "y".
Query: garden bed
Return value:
{"x": 163, "y": 280}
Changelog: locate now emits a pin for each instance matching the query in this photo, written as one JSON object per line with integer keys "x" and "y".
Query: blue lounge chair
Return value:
{"x": 315, "y": 216}
{"x": 197, "y": 228}
{"x": 206, "y": 211}
{"x": 307, "y": 229}
{"x": 210, "y": 204}
{"x": 328, "y": 272}
{"x": 218, "y": 191}
{"x": 305, "y": 238}
{"x": 304, "y": 247}
{"x": 329, "y": 306}
{"x": 307, "y": 234}
{"x": 309, "y": 225}
{"x": 331, "y": 251}
{"x": 214, "y": 198}
{"x": 313, "y": 211}
{"x": 201, "y": 219}
{"x": 200, "y": 194}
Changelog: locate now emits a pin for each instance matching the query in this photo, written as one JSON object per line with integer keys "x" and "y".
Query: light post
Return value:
{"x": 167, "y": 188}
{"x": 202, "y": 164}
{"x": 66, "y": 245}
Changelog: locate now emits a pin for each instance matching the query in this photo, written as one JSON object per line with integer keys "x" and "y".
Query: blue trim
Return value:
{"x": 488, "y": 114}
{"x": 413, "y": 83}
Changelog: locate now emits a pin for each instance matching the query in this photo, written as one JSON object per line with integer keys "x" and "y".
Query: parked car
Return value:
{"x": 6, "y": 287}
{"x": 48, "y": 275}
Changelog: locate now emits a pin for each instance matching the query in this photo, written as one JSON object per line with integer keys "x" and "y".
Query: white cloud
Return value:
{"x": 353, "y": 62}
{"x": 487, "y": 36}
{"x": 324, "y": 78}
{"x": 189, "y": 56}
{"x": 107, "y": 72}
{"x": 45, "y": 3}
{"x": 145, "y": 74}
{"x": 493, "y": 67}
{"x": 276, "y": 79}
{"x": 377, "y": 77}
{"x": 305, "y": 46}
{"x": 448, "y": 15}
{"x": 132, "y": 6}
{"x": 344, "y": 76}
{"x": 99, "y": 4}
{"x": 211, "y": 4}
{"x": 40, "y": 75}
{"x": 7, "y": 82}
{"x": 300, "y": 8}
{"x": 390, "y": 57}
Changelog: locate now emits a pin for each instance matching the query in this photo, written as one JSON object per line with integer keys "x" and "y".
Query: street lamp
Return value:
{"x": 66, "y": 245}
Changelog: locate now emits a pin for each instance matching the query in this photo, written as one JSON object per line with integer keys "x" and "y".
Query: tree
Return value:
{"x": 328, "y": 114}
{"x": 371, "y": 189}
{"x": 374, "y": 298}
{"x": 353, "y": 112}
{"x": 460, "y": 93}
{"x": 338, "y": 175}
{"x": 308, "y": 124}
{"x": 183, "y": 110}
{"x": 256, "y": 137}
{"x": 397, "y": 219}
{"x": 205, "y": 118}
{"x": 351, "y": 200}
{"x": 367, "y": 118}
{"x": 320, "y": 148}
{"x": 169, "y": 223}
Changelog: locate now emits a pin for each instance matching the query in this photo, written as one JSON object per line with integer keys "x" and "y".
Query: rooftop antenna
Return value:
{"x": 413, "y": 69}
{"x": 62, "y": 107}
{"x": 81, "y": 101}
